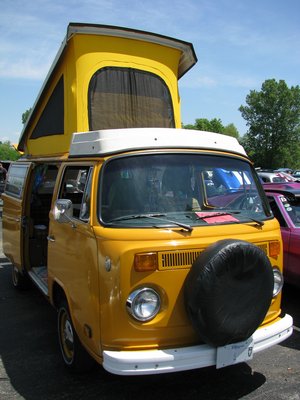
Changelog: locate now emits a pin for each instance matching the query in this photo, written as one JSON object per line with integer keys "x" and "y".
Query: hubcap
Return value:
{"x": 67, "y": 337}
{"x": 15, "y": 276}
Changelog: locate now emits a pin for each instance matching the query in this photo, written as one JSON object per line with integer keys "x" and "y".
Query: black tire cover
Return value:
{"x": 228, "y": 291}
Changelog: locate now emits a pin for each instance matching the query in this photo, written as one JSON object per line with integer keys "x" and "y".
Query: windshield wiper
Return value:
{"x": 257, "y": 221}
{"x": 153, "y": 216}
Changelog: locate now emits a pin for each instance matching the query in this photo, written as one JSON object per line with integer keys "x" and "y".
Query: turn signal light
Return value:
{"x": 274, "y": 249}
{"x": 145, "y": 262}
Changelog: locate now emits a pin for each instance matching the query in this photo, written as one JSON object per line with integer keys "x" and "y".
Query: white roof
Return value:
{"x": 113, "y": 141}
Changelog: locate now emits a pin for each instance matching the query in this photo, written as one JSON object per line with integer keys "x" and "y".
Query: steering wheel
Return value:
{"x": 251, "y": 203}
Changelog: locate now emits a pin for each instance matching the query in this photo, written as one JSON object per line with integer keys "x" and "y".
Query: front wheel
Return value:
{"x": 74, "y": 354}
{"x": 19, "y": 281}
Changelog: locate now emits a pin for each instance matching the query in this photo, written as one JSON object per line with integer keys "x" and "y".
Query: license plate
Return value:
{"x": 235, "y": 353}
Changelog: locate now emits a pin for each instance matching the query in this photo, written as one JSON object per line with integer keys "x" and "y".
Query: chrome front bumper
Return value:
{"x": 147, "y": 362}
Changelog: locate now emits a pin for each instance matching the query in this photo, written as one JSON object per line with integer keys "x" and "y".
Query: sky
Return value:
{"x": 239, "y": 44}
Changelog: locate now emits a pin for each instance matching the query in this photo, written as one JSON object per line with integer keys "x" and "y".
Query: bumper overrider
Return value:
{"x": 147, "y": 362}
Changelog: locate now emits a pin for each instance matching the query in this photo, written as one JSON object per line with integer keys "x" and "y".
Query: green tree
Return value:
{"x": 25, "y": 115}
{"x": 8, "y": 152}
{"x": 203, "y": 124}
{"x": 273, "y": 118}
{"x": 231, "y": 130}
{"x": 214, "y": 125}
{"x": 188, "y": 126}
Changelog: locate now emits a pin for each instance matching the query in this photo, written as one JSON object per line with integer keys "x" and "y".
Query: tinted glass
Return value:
{"x": 51, "y": 121}
{"x": 75, "y": 188}
{"x": 194, "y": 189}
{"x": 16, "y": 178}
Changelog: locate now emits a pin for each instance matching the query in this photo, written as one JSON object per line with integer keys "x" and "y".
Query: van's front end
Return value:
{"x": 190, "y": 255}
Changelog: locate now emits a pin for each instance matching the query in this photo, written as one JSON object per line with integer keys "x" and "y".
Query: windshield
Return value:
{"x": 187, "y": 189}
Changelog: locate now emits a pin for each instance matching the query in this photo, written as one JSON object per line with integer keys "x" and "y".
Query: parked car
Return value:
{"x": 287, "y": 170}
{"x": 284, "y": 200}
{"x": 296, "y": 174}
{"x": 272, "y": 177}
{"x": 288, "y": 176}
{"x": 148, "y": 274}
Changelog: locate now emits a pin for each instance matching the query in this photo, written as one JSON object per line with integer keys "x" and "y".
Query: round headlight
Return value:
{"x": 278, "y": 281}
{"x": 143, "y": 304}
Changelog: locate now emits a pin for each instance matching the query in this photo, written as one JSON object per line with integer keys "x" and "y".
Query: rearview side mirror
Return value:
{"x": 63, "y": 210}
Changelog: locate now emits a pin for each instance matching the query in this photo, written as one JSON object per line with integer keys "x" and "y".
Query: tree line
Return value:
{"x": 214, "y": 125}
{"x": 8, "y": 152}
{"x": 273, "y": 119}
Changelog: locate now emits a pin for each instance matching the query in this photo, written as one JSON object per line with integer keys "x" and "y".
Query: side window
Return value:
{"x": 76, "y": 187}
{"x": 16, "y": 178}
{"x": 277, "y": 213}
{"x": 86, "y": 200}
{"x": 51, "y": 121}
{"x": 44, "y": 179}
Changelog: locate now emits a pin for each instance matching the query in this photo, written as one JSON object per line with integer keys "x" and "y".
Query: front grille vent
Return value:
{"x": 184, "y": 258}
{"x": 177, "y": 259}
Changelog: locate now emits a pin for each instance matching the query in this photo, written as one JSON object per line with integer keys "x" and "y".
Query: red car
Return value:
{"x": 285, "y": 203}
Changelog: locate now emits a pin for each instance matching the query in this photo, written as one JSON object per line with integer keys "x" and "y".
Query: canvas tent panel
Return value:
{"x": 128, "y": 98}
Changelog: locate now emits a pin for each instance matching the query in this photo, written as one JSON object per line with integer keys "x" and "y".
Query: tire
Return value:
{"x": 228, "y": 291}
{"x": 19, "y": 281}
{"x": 74, "y": 355}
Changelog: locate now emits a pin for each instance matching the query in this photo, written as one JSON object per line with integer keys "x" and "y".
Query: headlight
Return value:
{"x": 143, "y": 304}
{"x": 278, "y": 281}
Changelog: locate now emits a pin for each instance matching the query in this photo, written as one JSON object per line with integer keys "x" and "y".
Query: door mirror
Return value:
{"x": 63, "y": 210}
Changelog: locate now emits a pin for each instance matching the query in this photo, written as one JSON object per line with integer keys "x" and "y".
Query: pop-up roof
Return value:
{"x": 106, "y": 77}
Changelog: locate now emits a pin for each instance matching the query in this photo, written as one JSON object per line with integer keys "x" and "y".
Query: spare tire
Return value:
{"x": 228, "y": 291}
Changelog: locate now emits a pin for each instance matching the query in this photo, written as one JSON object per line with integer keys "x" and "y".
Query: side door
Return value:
{"x": 15, "y": 212}
{"x": 279, "y": 214}
{"x": 294, "y": 257}
{"x": 72, "y": 253}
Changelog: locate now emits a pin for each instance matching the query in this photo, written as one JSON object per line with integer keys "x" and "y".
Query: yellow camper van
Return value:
{"x": 155, "y": 244}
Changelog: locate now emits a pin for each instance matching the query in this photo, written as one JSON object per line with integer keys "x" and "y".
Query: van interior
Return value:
{"x": 39, "y": 201}
{"x": 36, "y": 231}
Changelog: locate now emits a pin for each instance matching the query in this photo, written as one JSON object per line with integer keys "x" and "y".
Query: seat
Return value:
{"x": 124, "y": 198}
{"x": 177, "y": 190}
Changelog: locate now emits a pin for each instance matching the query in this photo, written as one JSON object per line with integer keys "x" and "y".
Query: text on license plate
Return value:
{"x": 235, "y": 353}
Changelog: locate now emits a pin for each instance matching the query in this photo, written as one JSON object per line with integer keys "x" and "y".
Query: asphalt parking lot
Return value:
{"x": 31, "y": 367}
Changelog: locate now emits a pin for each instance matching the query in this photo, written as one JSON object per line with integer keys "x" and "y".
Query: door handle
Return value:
{"x": 51, "y": 238}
